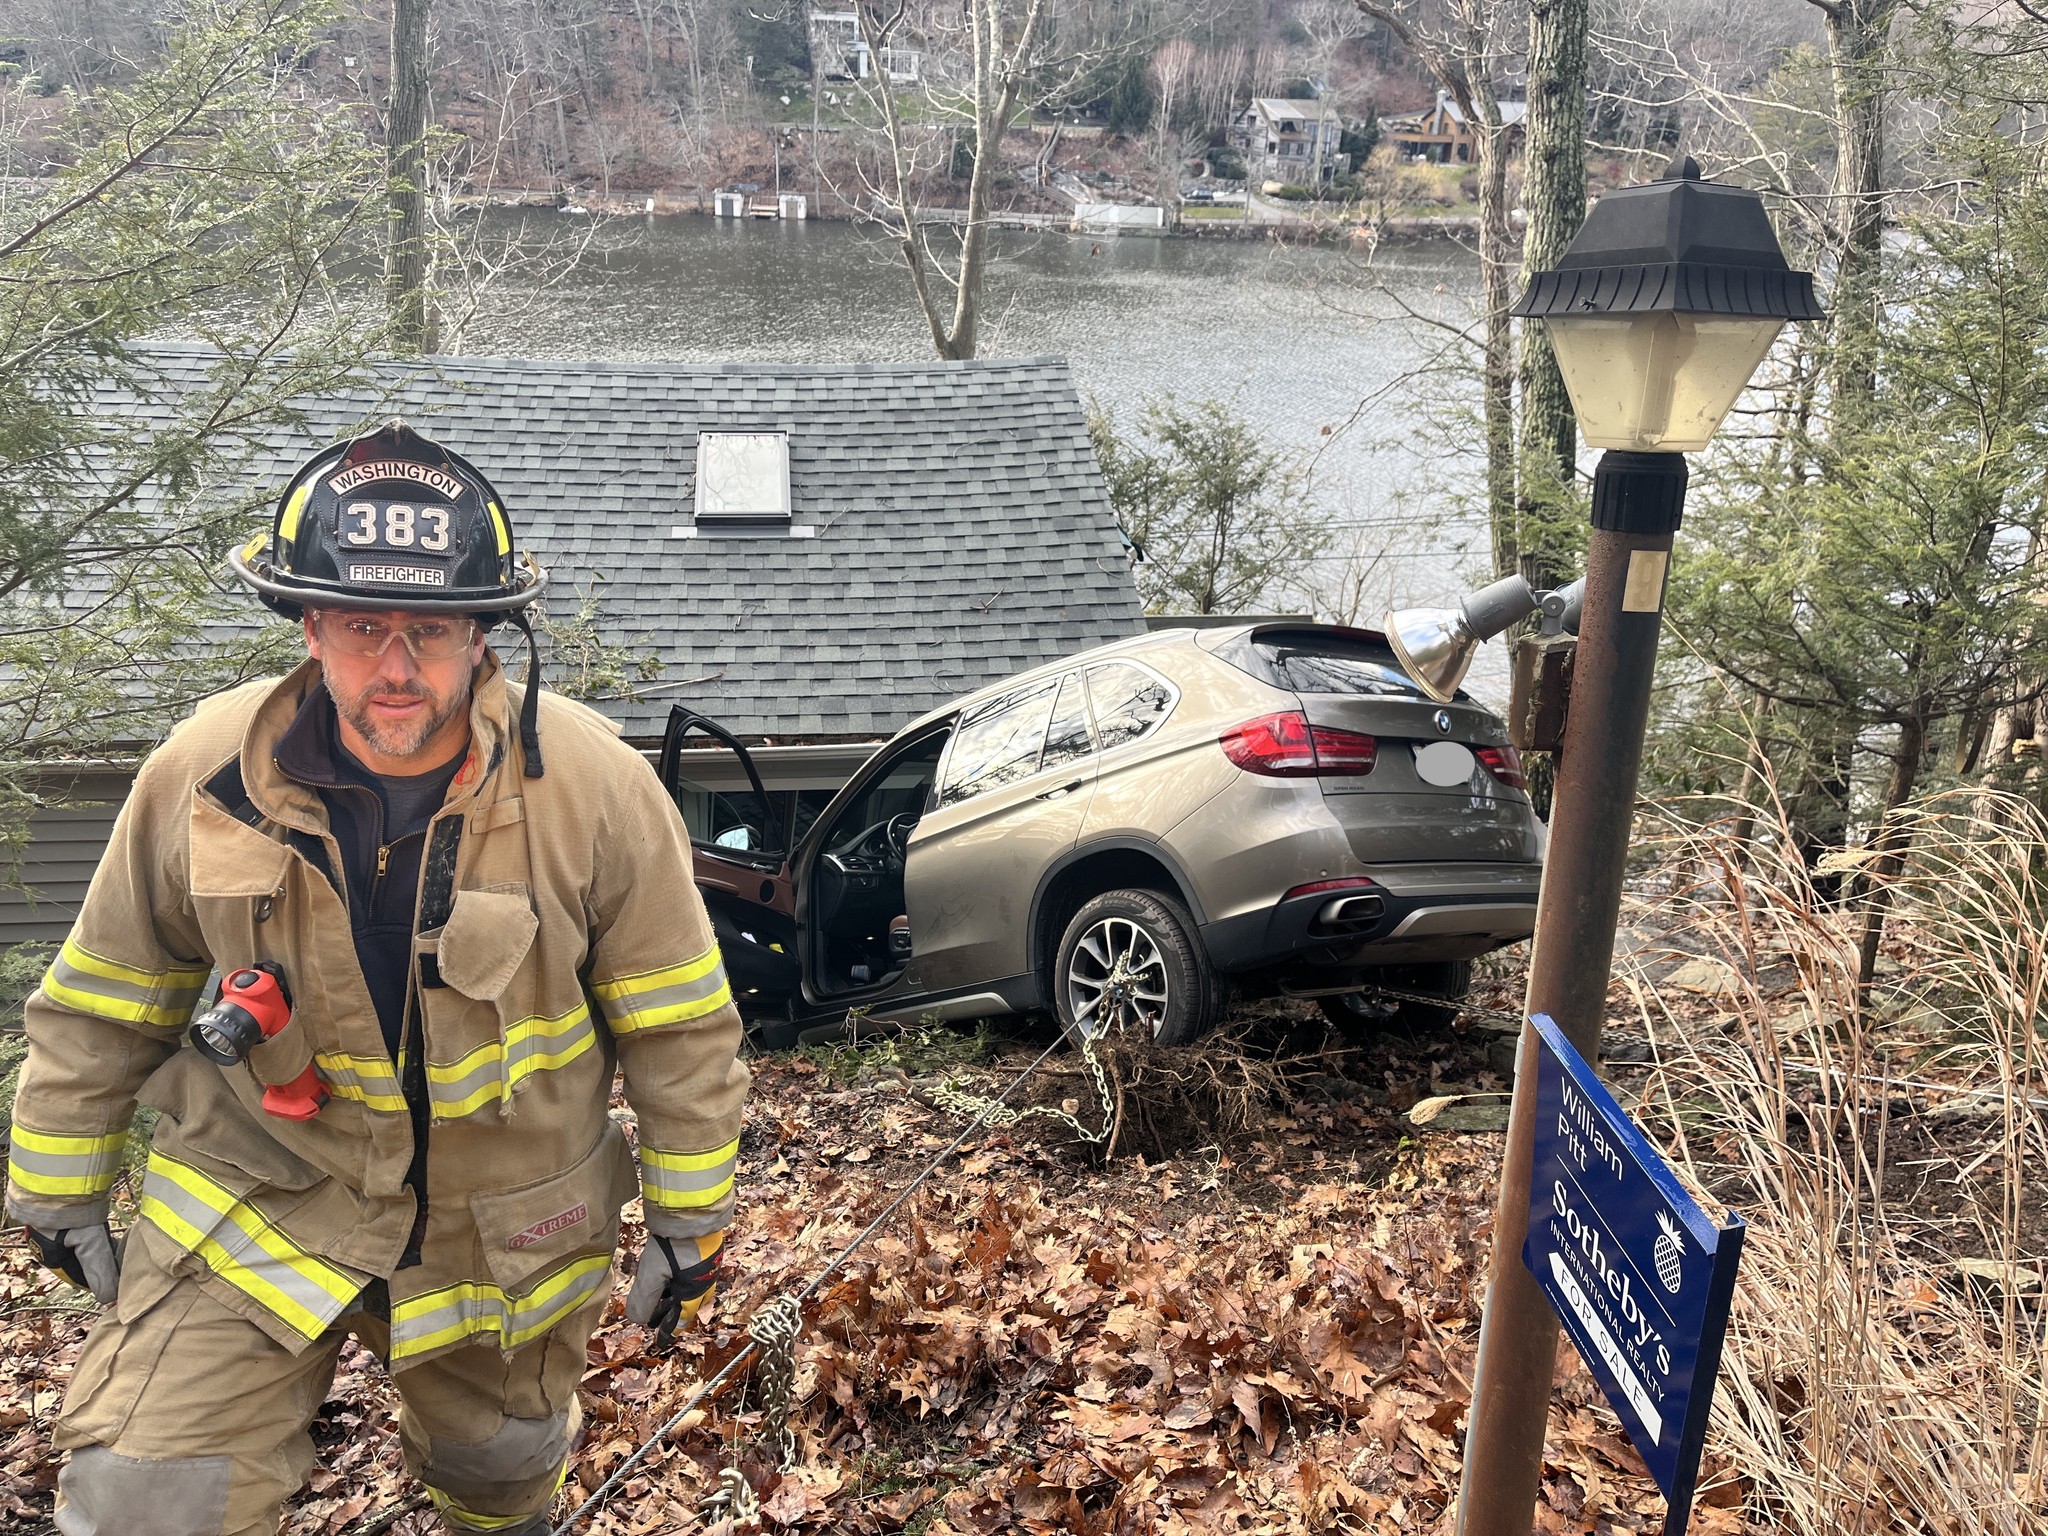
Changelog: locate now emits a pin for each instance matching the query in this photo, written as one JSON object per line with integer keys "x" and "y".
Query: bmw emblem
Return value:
{"x": 1443, "y": 722}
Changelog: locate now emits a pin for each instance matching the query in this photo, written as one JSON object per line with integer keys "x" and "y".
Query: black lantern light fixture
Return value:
{"x": 1660, "y": 310}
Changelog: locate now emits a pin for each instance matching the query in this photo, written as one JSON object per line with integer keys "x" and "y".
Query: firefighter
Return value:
{"x": 451, "y": 944}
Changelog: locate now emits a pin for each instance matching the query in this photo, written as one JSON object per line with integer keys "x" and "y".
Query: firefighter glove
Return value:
{"x": 84, "y": 1255}
{"x": 674, "y": 1283}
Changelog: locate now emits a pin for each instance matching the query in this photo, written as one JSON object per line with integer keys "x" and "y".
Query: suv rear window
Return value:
{"x": 1308, "y": 662}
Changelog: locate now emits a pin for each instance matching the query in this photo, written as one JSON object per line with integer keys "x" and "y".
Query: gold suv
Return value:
{"x": 1127, "y": 838}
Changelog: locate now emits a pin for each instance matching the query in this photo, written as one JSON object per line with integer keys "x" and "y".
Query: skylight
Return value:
{"x": 743, "y": 477}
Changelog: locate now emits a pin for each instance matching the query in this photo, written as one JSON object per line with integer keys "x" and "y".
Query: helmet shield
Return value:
{"x": 390, "y": 520}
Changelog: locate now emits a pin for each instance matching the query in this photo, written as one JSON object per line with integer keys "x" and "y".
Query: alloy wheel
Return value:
{"x": 1117, "y": 980}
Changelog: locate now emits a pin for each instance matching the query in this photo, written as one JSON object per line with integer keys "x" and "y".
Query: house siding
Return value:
{"x": 66, "y": 837}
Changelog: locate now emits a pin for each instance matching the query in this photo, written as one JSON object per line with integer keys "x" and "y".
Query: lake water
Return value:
{"x": 1331, "y": 353}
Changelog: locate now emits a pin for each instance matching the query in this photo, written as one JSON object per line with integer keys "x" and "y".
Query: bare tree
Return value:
{"x": 1554, "y": 196}
{"x": 998, "y": 41}
{"x": 405, "y": 255}
{"x": 1173, "y": 69}
{"x": 1461, "y": 44}
{"x": 1858, "y": 37}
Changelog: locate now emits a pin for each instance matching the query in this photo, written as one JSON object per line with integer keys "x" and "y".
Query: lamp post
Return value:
{"x": 1659, "y": 311}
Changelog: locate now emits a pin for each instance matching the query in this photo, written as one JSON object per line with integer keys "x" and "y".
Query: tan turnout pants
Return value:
{"x": 185, "y": 1419}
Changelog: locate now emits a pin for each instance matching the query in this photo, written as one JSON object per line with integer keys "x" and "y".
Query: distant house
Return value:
{"x": 841, "y": 53}
{"x": 1441, "y": 134}
{"x": 812, "y": 556}
{"x": 1286, "y": 140}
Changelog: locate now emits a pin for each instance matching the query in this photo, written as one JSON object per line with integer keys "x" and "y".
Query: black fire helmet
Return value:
{"x": 393, "y": 520}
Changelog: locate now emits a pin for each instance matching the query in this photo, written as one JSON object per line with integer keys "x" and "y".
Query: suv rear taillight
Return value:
{"x": 1286, "y": 746}
{"x": 1504, "y": 763}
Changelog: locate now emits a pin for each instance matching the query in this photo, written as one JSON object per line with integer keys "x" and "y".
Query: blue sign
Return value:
{"x": 1640, "y": 1276}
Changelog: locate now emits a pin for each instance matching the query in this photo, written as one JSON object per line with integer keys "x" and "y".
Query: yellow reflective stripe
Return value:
{"x": 44, "y": 1163}
{"x": 93, "y": 984}
{"x": 456, "y": 1513}
{"x": 367, "y": 1080}
{"x": 502, "y": 528}
{"x": 673, "y": 994}
{"x": 495, "y": 1068}
{"x": 686, "y": 1180}
{"x": 242, "y": 1247}
{"x": 460, "y": 1312}
{"x": 288, "y": 524}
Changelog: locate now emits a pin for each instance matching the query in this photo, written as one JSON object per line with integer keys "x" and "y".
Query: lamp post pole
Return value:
{"x": 1637, "y": 501}
{"x": 1661, "y": 309}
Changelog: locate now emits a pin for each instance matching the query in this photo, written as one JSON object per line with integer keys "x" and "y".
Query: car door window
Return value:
{"x": 1128, "y": 700}
{"x": 716, "y": 787}
{"x": 1069, "y": 736}
{"x": 998, "y": 744}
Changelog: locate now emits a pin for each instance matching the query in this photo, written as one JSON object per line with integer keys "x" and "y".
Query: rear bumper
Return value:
{"x": 1431, "y": 918}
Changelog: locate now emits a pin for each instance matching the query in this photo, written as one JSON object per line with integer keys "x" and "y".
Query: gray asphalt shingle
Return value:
{"x": 963, "y": 531}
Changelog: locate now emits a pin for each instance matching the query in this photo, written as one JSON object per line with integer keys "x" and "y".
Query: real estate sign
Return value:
{"x": 1640, "y": 1276}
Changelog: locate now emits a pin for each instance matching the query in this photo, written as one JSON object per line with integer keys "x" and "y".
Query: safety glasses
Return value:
{"x": 357, "y": 634}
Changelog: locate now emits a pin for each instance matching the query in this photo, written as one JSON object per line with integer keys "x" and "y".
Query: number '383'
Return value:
{"x": 396, "y": 525}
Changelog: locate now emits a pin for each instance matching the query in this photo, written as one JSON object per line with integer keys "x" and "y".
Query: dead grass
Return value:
{"x": 1883, "y": 1369}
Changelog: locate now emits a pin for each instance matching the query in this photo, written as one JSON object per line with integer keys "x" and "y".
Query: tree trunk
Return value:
{"x": 1554, "y": 197}
{"x": 405, "y": 254}
{"x": 1001, "y": 65}
{"x": 1890, "y": 840}
{"x": 1859, "y": 32}
{"x": 1497, "y": 277}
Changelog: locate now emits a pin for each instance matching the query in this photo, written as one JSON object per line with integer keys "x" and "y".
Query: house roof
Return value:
{"x": 959, "y": 528}
{"x": 1276, "y": 106}
{"x": 1511, "y": 112}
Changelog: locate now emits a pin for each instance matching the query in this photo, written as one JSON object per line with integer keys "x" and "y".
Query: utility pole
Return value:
{"x": 405, "y": 251}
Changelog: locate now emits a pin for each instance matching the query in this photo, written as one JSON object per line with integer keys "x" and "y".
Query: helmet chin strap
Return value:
{"x": 529, "y": 707}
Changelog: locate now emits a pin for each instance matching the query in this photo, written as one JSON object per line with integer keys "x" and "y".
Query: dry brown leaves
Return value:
{"x": 1267, "y": 1336}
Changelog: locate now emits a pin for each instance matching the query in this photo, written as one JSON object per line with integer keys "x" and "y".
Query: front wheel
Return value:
{"x": 1130, "y": 965}
{"x": 1361, "y": 1012}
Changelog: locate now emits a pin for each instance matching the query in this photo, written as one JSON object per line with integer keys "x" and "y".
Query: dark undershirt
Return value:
{"x": 410, "y": 800}
{"x": 381, "y": 912}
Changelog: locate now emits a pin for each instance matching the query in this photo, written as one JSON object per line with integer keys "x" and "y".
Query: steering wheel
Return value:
{"x": 867, "y": 851}
{"x": 897, "y": 830}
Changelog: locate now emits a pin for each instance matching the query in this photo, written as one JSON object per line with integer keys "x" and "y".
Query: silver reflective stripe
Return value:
{"x": 478, "y": 1085}
{"x": 89, "y": 983}
{"x": 474, "y": 1308}
{"x": 701, "y": 990}
{"x": 666, "y": 1183}
{"x": 240, "y": 1245}
{"x": 489, "y": 1073}
{"x": 47, "y": 1164}
{"x": 368, "y": 1082}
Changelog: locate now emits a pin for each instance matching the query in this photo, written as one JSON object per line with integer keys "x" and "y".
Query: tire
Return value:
{"x": 1362, "y": 1013}
{"x": 1165, "y": 990}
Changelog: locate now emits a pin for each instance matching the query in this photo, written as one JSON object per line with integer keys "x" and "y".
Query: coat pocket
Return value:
{"x": 205, "y": 1123}
{"x": 476, "y": 974}
{"x": 549, "y": 1244}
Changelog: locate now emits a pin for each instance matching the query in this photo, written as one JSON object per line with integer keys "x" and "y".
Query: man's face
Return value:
{"x": 407, "y": 710}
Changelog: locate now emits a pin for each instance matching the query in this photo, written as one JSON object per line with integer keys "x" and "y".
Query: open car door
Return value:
{"x": 739, "y": 835}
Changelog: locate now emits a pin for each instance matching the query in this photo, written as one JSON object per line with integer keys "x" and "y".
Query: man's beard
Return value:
{"x": 394, "y": 738}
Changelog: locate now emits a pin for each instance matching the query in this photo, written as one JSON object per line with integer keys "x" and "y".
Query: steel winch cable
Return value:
{"x": 784, "y": 1313}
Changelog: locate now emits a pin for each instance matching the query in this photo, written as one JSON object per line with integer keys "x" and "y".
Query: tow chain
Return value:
{"x": 1462, "y": 1009}
{"x": 950, "y": 1096}
{"x": 773, "y": 1330}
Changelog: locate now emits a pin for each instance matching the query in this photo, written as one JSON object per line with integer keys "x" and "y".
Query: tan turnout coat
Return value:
{"x": 575, "y": 945}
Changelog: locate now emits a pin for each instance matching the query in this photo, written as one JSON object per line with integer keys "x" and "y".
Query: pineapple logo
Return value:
{"x": 1667, "y": 1254}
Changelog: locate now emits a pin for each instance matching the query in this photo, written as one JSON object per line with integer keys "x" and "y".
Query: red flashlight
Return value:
{"x": 252, "y": 1007}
